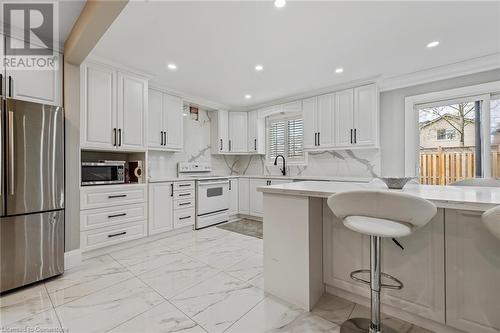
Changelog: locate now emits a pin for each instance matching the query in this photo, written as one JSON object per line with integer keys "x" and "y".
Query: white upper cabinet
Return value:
{"x": 113, "y": 108}
{"x": 256, "y": 133}
{"x": 98, "y": 106}
{"x": 39, "y": 86}
{"x": 155, "y": 119}
{"x": 238, "y": 137}
{"x": 173, "y": 122}
{"x": 326, "y": 121}
{"x": 165, "y": 121}
{"x": 309, "y": 118}
{"x": 344, "y": 109}
{"x": 318, "y": 118}
{"x": 365, "y": 115}
{"x": 357, "y": 117}
{"x": 220, "y": 132}
{"x": 132, "y": 105}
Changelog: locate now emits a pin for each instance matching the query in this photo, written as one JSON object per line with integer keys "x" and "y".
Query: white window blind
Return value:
{"x": 285, "y": 137}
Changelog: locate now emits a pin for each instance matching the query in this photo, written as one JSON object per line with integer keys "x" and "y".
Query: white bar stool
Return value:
{"x": 378, "y": 214}
{"x": 491, "y": 219}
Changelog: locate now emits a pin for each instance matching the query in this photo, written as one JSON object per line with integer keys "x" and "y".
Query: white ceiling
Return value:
{"x": 69, "y": 11}
{"x": 217, "y": 44}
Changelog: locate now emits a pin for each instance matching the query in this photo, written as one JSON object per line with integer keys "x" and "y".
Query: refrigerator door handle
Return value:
{"x": 11, "y": 152}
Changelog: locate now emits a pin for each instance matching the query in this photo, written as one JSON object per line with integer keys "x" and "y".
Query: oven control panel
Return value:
{"x": 190, "y": 167}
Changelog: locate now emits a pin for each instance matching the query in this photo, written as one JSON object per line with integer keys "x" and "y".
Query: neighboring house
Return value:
{"x": 441, "y": 133}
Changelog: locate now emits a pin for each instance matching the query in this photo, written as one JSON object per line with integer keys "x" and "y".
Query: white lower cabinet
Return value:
{"x": 112, "y": 214}
{"x": 244, "y": 196}
{"x": 233, "y": 196}
{"x": 160, "y": 207}
{"x": 472, "y": 274}
{"x": 256, "y": 198}
{"x": 420, "y": 266}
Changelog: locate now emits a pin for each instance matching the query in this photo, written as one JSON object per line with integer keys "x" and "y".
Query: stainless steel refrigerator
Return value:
{"x": 32, "y": 192}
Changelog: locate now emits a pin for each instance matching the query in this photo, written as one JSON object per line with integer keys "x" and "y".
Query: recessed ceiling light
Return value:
{"x": 258, "y": 68}
{"x": 280, "y": 3}
{"x": 433, "y": 44}
{"x": 172, "y": 67}
{"x": 248, "y": 96}
{"x": 339, "y": 70}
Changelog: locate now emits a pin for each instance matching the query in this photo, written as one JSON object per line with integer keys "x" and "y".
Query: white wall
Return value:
{"x": 392, "y": 116}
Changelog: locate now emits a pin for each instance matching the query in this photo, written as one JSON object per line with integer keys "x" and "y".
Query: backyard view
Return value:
{"x": 450, "y": 142}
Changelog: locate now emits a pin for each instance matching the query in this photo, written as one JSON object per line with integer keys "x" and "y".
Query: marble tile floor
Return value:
{"x": 202, "y": 281}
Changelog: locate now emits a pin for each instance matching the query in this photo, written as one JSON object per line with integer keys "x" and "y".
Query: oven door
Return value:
{"x": 212, "y": 196}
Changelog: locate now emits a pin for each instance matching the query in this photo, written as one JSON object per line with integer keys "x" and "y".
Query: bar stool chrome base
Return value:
{"x": 362, "y": 325}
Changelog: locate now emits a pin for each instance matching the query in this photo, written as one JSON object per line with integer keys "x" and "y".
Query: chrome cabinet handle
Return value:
{"x": 119, "y": 137}
{"x": 114, "y": 136}
{"x": 351, "y": 135}
{"x": 319, "y": 140}
{"x": 164, "y": 138}
{"x": 184, "y": 185}
{"x": 172, "y": 189}
{"x": 117, "y": 215}
{"x": 355, "y": 137}
{"x": 117, "y": 196}
{"x": 161, "y": 138}
{"x": 11, "y": 152}
{"x": 184, "y": 217}
{"x": 118, "y": 234}
{"x": 184, "y": 203}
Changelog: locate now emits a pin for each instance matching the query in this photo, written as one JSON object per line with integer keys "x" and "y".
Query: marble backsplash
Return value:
{"x": 343, "y": 163}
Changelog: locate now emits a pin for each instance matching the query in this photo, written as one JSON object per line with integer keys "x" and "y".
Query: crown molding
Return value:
{"x": 470, "y": 66}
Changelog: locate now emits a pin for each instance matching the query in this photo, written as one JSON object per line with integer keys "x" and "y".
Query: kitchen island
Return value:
{"x": 450, "y": 268}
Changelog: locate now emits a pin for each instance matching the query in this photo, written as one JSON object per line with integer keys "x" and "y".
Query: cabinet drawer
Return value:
{"x": 184, "y": 204}
{"x": 184, "y": 217}
{"x": 101, "y": 217}
{"x": 113, "y": 195}
{"x": 183, "y": 186}
{"x": 183, "y": 195}
{"x": 102, "y": 237}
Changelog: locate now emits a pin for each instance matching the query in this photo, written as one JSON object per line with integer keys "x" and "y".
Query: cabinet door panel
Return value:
{"x": 365, "y": 115}
{"x": 309, "y": 117}
{"x": 160, "y": 208}
{"x": 472, "y": 274}
{"x": 233, "y": 196}
{"x": 35, "y": 85}
{"x": 243, "y": 196}
{"x": 98, "y": 111}
{"x": 132, "y": 101}
{"x": 174, "y": 121}
{"x": 155, "y": 119}
{"x": 326, "y": 108}
{"x": 256, "y": 198}
{"x": 343, "y": 117}
{"x": 238, "y": 132}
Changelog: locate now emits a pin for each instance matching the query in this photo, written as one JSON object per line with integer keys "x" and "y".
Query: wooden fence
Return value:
{"x": 442, "y": 167}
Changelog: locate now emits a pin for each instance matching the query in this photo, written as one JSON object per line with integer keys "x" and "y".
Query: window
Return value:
{"x": 285, "y": 137}
{"x": 445, "y": 134}
{"x": 495, "y": 136}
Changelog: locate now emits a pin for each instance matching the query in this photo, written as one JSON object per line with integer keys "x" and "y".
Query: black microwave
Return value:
{"x": 103, "y": 173}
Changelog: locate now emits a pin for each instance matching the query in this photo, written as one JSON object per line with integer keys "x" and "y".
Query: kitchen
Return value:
{"x": 196, "y": 164}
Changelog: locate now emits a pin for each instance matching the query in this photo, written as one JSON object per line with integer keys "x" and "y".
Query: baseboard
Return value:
{"x": 393, "y": 312}
{"x": 72, "y": 259}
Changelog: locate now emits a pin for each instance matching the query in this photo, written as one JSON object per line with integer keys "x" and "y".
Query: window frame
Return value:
{"x": 481, "y": 92}
{"x": 284, "y": 117}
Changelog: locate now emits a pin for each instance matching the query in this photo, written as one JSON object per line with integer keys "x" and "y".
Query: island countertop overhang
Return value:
{"x": 451, "y": 197}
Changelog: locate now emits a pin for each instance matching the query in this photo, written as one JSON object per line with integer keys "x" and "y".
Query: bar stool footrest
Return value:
{"x": 397, "y": 283}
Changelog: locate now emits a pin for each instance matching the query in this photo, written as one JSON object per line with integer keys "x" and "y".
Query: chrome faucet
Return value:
{"x": 283, "y": 171}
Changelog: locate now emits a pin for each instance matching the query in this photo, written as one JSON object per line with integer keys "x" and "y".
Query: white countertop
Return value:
{"x": 315, "y": 178}
{"x": 454, "y": 197}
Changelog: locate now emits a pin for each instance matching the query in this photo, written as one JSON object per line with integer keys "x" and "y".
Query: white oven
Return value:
{"x": 212, "y": 201}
